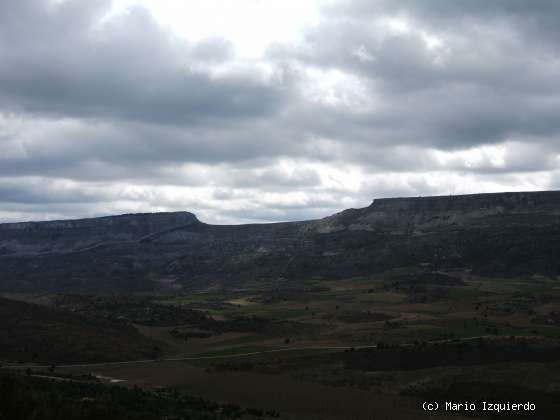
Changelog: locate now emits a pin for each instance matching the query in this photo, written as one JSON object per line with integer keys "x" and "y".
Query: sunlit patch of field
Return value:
{"x": 245, "y": 301}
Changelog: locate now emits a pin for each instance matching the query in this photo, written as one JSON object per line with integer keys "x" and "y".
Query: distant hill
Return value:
{"x": 34, "y": 333}
{"x": 502, "y": 234}
{"x": 59, "y": 236}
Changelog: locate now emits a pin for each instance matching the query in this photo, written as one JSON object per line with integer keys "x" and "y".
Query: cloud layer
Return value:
{"x": 105, "y": 113}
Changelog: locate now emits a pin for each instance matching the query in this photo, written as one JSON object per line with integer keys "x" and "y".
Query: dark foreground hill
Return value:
{"x": 29, "y": 398}
{"x": 501, "y": 234}
{"x": 30, "y": 332}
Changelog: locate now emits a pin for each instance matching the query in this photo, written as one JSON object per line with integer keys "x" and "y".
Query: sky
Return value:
{"x": 245, "y": 111}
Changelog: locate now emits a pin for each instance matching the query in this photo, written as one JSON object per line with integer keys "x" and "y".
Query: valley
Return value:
{"x": 380, "y": 343}
{"x": 365, "y": 314}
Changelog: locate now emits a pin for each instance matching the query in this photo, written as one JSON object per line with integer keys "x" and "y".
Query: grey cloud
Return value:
{"x": 86, "y": 150}
{"x": 43, "y": 192}
{"x": 61, "y": 61}
{"x": 486, "y": 84}
{"x": 405, "y": 188}
{"x": 122, "y": 102}
{"x": 213, "y": 50}
{"x": 537, "y": 18}
{"x": 274, "y": 214}
{"x": 274, "y": 178}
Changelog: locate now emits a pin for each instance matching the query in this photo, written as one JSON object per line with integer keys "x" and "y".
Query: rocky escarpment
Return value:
{"x": 32, "y": 238}
{"x": 416, "y": 215}
{"x": 501, "y": 234}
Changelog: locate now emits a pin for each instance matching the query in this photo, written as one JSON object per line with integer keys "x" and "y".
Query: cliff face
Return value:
{"x": 505, "y": 234}
{"x": 424, "y": 214}
{"x": 29, "y": 238}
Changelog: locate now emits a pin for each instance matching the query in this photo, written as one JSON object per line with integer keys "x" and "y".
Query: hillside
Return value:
{"x": 30, "y": 332}
{"x": 493, "y": 234}
{"x": 26, "y": 398}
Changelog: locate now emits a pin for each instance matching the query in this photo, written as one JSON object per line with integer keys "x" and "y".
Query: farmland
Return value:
{"x": 358, "y": 347}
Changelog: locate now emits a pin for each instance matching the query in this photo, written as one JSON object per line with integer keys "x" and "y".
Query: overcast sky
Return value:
{"x": 267, "y": 110}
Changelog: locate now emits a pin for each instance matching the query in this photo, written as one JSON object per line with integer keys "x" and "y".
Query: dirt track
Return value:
{"x": 234, "y": 355}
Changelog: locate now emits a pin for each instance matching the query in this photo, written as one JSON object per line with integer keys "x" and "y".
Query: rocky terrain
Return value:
{"x": 502, "y": 234}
